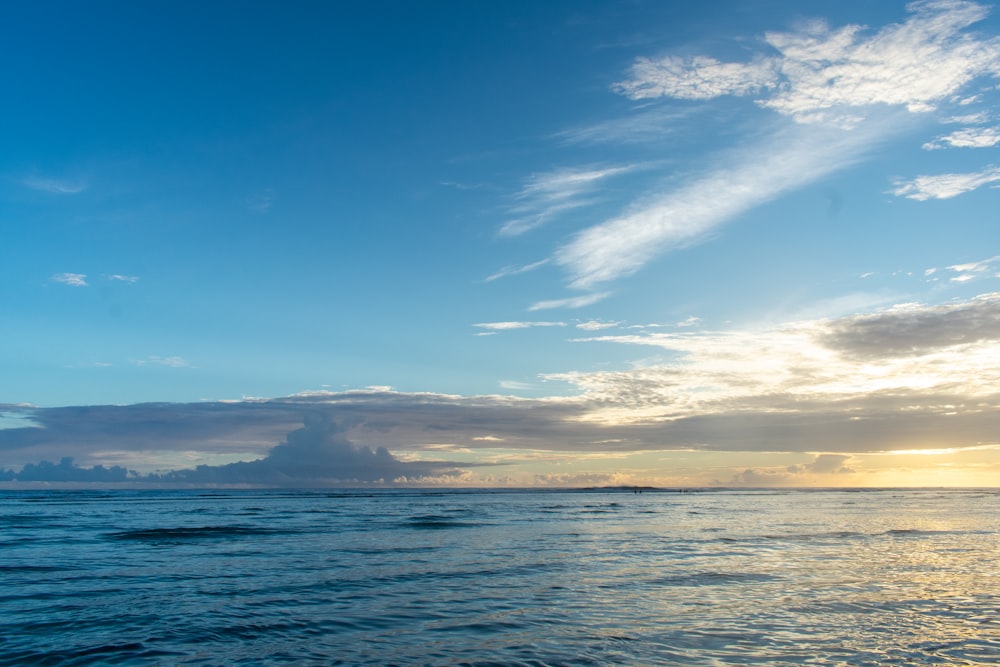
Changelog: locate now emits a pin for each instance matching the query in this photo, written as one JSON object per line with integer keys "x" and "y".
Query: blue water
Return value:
{"x": 500, "y": 578}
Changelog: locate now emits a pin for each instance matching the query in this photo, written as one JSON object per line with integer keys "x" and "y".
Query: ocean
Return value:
{"x": 430, "y": 577}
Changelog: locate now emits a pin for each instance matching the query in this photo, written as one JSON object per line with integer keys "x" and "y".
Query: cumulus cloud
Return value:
{"x": 945, "y": 186}
{"x": 318, "y": 454}
{"x": 824, "y": 465}
{"x": 67, "y": 471}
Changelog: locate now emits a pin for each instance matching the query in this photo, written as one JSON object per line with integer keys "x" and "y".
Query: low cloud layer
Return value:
{"x": 908, "y": 377}
{"x": 318, "y": 454}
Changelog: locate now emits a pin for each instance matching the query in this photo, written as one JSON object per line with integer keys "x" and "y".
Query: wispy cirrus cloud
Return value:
{"x": 845, "y": 88}
{"x": 516, "y": 270}
{"x": 550, "y": 194}
{"x": 570, "y": 302}
{"x": 71, "y": 279}
{"x": 154, "y": 360}
{"x": 973, "y": 270}
{"x": 945, "y": 186}
{"x": 54, "y": 186}
{"x": 621, "y": 246}
{"x": 507, "y": 326}
{"x": 596, "y": 325}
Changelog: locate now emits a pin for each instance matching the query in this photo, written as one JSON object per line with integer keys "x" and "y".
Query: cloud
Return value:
{"x": 261, "y": 202}
{"x": 909, "y": 377}
{"x": 54, "y": 186}
{"x": 825, "y": 464}
{"x": 507, "y": 326}
{"x": 642, "y": 127}
{"x": 317, "y": 454}
{"x": 971, "y": 137}
{"x": 514, "y": 385}
{"x": 821, "y": 74}
{"x": 945, "y": 186}
{"x": 67, "y": 471}
{"x": 621, "y": 246}
{"x": 117, "y": 277}
{"x": 847, "y": 89}
{"x": 571, "y": 302}
{"x": 548, "y": 195}
{"x": 697, "y": 78}
{"x": 516, "y": 270}
{"x": 153, "y": 360}
{"x": 912, "y": 372}
{"x": 973, "y": 270}
{"x": 596, "y": 325}
{"x": 915, "y": 329}
{"x": 71, "y": 279}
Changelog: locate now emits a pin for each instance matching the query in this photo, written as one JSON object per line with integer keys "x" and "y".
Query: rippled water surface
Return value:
{"x": 500, "y": 578}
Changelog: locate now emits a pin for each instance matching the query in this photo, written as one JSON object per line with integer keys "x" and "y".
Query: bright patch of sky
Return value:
{"x": 627, "y": 233}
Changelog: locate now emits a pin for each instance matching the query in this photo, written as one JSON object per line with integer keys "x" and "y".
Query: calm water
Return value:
{"x": 515, "y": 578}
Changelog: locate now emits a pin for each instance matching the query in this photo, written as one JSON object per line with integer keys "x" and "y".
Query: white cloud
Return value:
{"x": 550, "y": 194}
{"x": 969, "y": 119}
{"x": 514, "y": 385}
{"x": 516, "y": 270}
{"x": 973, "y": 270}
{"x": 909, "y": 377}
{"x": 261, "y": 202}
{"x": 970, "y": 137}
{"x": 690, "y": 322}
{"x": 912, "y": 361}
{"x": 596, "y": 325}
{"x": 824, "y": 74}
{"x": 698, "y": 78}
{"x": 621, "y": 246}
{"x": 72, "y": 279}
{"x": 848, "y": 89}
{"x": 123, "y": 279}
{"x": 506, "y": 326}
{"x": 153, "y": 360}
{"x": 982, "y": 265}
{"x": 54, "y": 186}
{"x": 571, "y": 302}
{"x": 945, "y": 186}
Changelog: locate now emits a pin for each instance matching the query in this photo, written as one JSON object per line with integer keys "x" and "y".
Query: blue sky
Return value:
{"x": 509, "y": 243}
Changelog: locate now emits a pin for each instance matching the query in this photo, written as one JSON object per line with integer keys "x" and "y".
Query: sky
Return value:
{"x": 500, "y": 244}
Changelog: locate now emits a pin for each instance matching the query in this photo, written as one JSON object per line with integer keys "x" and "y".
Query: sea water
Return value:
{"x": 419, "y": 577}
